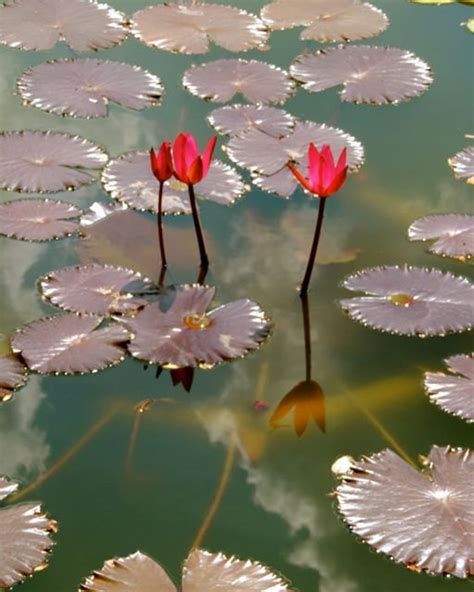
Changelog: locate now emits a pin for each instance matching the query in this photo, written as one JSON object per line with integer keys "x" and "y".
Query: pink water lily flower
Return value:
{"x": 325, "y": 177}
{"x": 161, "y": 162}
{"x": 189, "y": 166}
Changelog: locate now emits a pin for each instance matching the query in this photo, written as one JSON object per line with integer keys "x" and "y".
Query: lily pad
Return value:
{"x": 37, "y": 162}
{"x": 454, "y": 234}
{"x": 423, "y": 520}
{"x": 189, "y": 28}
{"x": 38, "y": 219}
{"x": 85, "y": 87}
{"x": 454, "y": 392}
{"x": 25, "y": 538}
{"x": 411, "y": 301}
{"x": 100, "y": 211}
{"x": 234, "y": 120}
{"x": 326, "y": 20}
{"x": 129, "y": 179}
{"x": 462, "y": 164}
{"x": 96, "y": 289}
{"x": 12, "y": 376}
{"x": 84, "y": 25}
{"x": 70, "y": 344}
{"x": 257, "y": 82}
{"x": 374, "y": 75}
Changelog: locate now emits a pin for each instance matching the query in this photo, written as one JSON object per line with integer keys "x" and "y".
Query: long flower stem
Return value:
{"x": 161, "y": 239}
{"x": 314, "y": 248}
{"x": 197, "y": 226}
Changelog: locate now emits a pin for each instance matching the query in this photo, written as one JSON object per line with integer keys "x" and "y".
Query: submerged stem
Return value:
{"x": 197, "y": 226}
{"x": 314, "y": 248}
{"x": 161, "y": 239}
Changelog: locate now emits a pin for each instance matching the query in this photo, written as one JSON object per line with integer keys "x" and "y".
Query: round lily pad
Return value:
{"x": 462, "y": 164}
{"x": 233, "y": 120}
{"x": 453, "y": 234}
{"x": 12, "y": 375}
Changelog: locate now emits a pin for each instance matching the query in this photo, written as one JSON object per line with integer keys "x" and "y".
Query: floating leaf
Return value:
{"x": 424, "y": 520}
{"x": 463, "y": 165}
{"x": 454, "y": 234}
{"x": 96, "y": 289}
{"x": 38, "y": 219}
{"x": 202, "y": 571}
{"x": 186, "y": 28}
{"x": 411, "y": 301}
{"x": 267, "y": 156}
{"x": 237, "y": 119}
{"x": 376, "y": 75}
{"x": 84, "y": 87}
{"x": 326, "y": 20}
{"x": 25, "y": 540}
{"x": 256, "y": 81}
{"x": 178, "y": 332}
{"x": 12, "y": 376}
{"x": 39, "y": 24}
{"x": 99, "y": 211}
{"x": 129, "y": 179}
{"x": 70, "y": 344}
{"x": 454, "y": 394}
{"x": 38, "y": 162}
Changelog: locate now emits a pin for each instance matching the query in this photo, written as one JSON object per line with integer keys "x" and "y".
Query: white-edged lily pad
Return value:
{"x": 202, "y": 571}
{"x": 38, "y": 219}
{"x": 12, "y": 376}
{"x": 40, "y": 162}
{"x": 326, "y": 20}
{"x": 411, "y": 301}
{"x": 85, "y": 87}
{"x": 179, "y": 332}
{"x": 454, "y": 234}
{"x": 374, "y": 75}
{"x": 70, "y": 344}
{"x": 129, "y": 179}
{"x": 96, "y": 289}
{"x": 189, "y": 28}
{"x": 233, "y": 120}
{"x": 454, "y": 392}
{"x": 25, "y": 538}
{"x": 462, "y": 164}
{"x": 268, "y": 156}
{"x": 84, "y": 25}
{"x": 423, "y": 520}
{"x": 256, "y": 81}
{"x": 99, "y": 211}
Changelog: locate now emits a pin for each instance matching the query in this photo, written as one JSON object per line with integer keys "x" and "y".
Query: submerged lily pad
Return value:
{"x": 12, "y": 376}
{"x": 454, "y": 234}
{"x": 188, "y": 28}
{"x": 96, "y": 289}
{"x": 256, "y": 81}
{"x": 202, "y": 571}
{"x": 462, "y": 164}
{"x": 70, "y": 344}
{"x": 411, "y": 301}
{"x": 423, "y": 520}
{"x": 39, "y": 24}
{"x": 454, "y": 392}
{"x": 374, "y": 75}
{"x": 25, "y": 538}
{"x": 84, "y": 87}
{"x": 237, "y": 119}
{"x": 178, "y": 332}
{"x": 129, "y": 179}
{"x": 37, "y": 162}
{"x": 38, "y": 219}
{"x": 326, "y": 20}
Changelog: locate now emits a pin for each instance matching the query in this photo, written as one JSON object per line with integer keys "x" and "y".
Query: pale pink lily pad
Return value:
{"x": 129, "y": 179}
{"x": 454, "y": 234}
{"x": 12, "y": 375}
{"x": 423, "y": 520}
{"x": 96, "y": 289}
{"x": 189, "y": 28}
{"x": 411, "y": 301}
{"x": 85, "y": 87}
{"x": 454, "y": 392}
{"x": 39, "y": 24}
{"x": 202, "y": 572}
{"x": 70, "y": 344}
{"x": 25, "y": 538}
{"x": 326, "y": 20}
{"x": 100, "y": 211}
{"x": 256, "y": 81}
{"x": 179, "y": 332}
{"x": 234, "y": 120}
{"x": 374, "y": 75}
{"x": 462, "y": 164}
{"x": 37, "y": 162}
{"x": 38, "y": 219}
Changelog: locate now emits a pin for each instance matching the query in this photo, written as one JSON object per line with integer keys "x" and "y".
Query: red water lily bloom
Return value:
{"x": 325, "y": 177}
{"x": 189, "y": 166}
{"x": 161, "y": 162}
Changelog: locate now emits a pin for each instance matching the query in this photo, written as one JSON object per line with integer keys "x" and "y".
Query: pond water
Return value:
{"x": 114, "y": 494}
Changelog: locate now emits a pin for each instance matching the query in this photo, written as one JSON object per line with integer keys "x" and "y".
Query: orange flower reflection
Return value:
{"x": 307, "y": 400}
